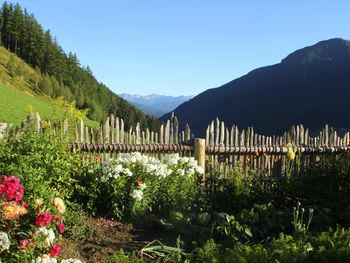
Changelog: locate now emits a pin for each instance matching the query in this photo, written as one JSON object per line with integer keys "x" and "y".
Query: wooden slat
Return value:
{"x": 212, "y": 135}
{"x": 117, "y": 131}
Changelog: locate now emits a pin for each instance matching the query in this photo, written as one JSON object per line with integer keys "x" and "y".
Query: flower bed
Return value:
{"x": 134, "y": 185}
{"x": 29, "y": 230}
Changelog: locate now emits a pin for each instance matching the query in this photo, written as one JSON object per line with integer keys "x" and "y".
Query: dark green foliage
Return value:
{"x": 121, "y": 256}
{"x": 43, "y": 162}
{"x": 76, "y": 225}
{"x": 62, "y": 74}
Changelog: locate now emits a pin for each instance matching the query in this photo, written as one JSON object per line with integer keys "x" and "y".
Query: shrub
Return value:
{"x": 43, "y": 162}
{"x": 135, "y": 185}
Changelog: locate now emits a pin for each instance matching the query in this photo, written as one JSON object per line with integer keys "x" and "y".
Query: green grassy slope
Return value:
{"x": 16, "y": 104}
{"x": 17, "y": 82}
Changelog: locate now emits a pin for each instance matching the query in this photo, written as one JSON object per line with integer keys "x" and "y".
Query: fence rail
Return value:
{"x": 243, "y": 149}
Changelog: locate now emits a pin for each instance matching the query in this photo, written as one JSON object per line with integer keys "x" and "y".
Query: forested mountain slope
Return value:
{"x": 62, "y": 75}
{"x": 311, "y": 86}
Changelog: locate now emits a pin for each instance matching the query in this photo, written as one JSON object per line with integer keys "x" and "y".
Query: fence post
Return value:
{"x": 199, "y": 152}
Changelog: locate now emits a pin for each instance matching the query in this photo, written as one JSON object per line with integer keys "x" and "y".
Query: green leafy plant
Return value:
{"x": 298, "y": 222}
{"x": 233, "y": 230}
{"x": 43, "y": 162}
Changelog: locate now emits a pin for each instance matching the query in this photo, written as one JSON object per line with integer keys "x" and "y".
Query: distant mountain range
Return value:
{"x": 311, "y": 86}
{"x": 155, "y": 105}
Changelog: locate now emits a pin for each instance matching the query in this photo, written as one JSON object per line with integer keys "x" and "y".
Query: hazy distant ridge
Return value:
{"x": 154, "y": 104}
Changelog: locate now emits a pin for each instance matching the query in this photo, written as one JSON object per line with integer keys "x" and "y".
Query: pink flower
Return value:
{"x": 10, "y": 188}
{"x": 43, "y": 219}
{"x": 55, "y": 250}
{"x": 23, "y": 244}
{"x": 60, "y": 228}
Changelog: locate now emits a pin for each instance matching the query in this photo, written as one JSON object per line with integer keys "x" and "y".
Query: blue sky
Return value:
{"x": 183, "y": 47}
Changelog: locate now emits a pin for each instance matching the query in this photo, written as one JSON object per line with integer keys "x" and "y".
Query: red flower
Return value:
{"x": 98, "y": 159}
{"x": 60, "y": 228}
{"x": 59, "y": 218}
{"x": 25, "y": 204}
{"x": 55, "y": 250}
{"x": 10, "y": 188}
{"x": 138, "y": 181}
{"x": 43, "y": 219}
{"x": 23, "y": 244}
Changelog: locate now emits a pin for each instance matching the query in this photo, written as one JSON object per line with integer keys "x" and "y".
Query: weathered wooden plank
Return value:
{"x": 236, "y": 142}
{"x": 171, "y": 129}
{"x": 222, "y": 133}
{"x": 112, "y": 122}
{"x": 87, "y": 140}
{"x": 232, "y": 135}
{"x": 252, "y": 137}
{"x": 117, "y": 131}
{"x": 76, "y": 134}
{"x": 82, "y": 128}
{"x": 217, "y": 131}
{"x": 122, "y": 131}
{"x": 107, "y": 130}
{"x": 176, "y": 130}
{"x": 101, "y": 134}
{"x": 161, "y": 132}
{"x": 297, "y": 135}
{"x": 326, "y": 135}
{"x": 138, "y": 132}
{"x": 242, "y": 138}
{"x": 306, "y": 138}
{"x": 167, "y": 132}
{"x": 292, "y": 133}
{"x": 227, "y": 137}
{"x": 38, "y": 122}
{"x": 93, "y": 139}
{"x": 302, "y": 135}
{"x": 212, "y": 134}
{"x": 187, "y": 133}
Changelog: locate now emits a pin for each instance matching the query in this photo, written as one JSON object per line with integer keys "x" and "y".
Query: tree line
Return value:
{"x": 62, "y": 74}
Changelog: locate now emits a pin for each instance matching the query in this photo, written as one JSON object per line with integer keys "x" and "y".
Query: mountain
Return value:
{"x": 58, "y": 73}
{"x": 155, "y": 105}
{"x": 311, "y": 86}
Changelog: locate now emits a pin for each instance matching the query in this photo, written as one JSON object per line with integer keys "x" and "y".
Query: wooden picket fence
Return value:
{"x": 223, "y": 146}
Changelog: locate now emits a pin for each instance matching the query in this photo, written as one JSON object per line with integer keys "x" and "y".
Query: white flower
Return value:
{"x": 171, "y": 159}
{"x": 4, "y": 241}
{"x": 142, "y": 186}
{"x": 192, "y": 162}
{"x": 181, "y": 172}
{"x": 184, "y": 160}
{"x": 190, "y": 171}
{"x": 127, "y": 172}
{"x": 162, "y": 171}
{"x": 200, "y": 170}
{"x": 150, "y": 168}
{"x": 44, "y": 259}
{"x": 137, "y": 194}
{"x": 118, "y": 169}
{"x": 48, "y": 233}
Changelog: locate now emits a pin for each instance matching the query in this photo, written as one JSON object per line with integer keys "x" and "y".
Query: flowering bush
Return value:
{"x": 134, "y": 184}
{"x": 28, "y": 231}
